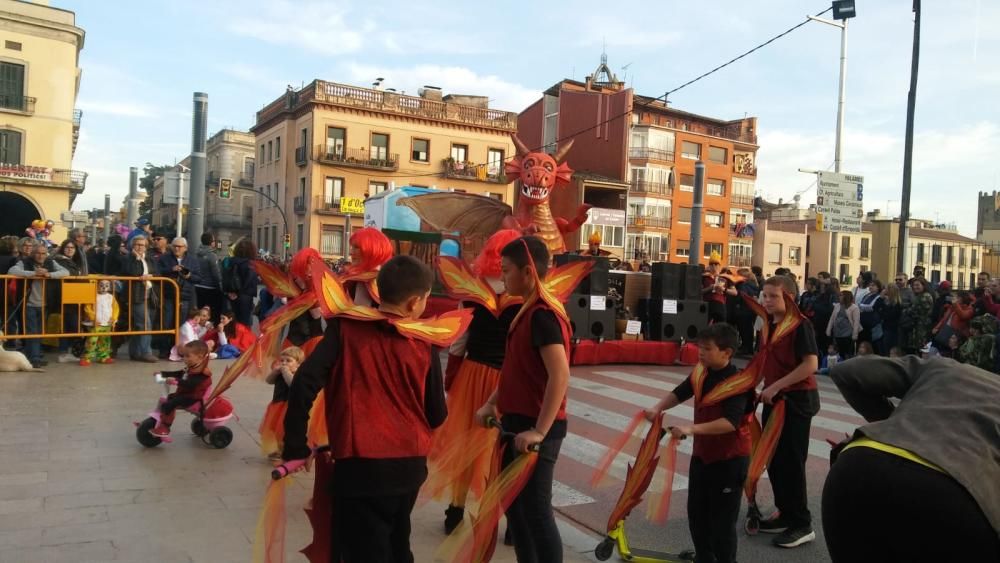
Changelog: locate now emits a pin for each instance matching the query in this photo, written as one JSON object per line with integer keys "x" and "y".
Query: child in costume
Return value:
{"x": 192, "y": 383}
{"x": 194, "y": 328}
{"x": 474, "y": 363}
{"x": 721, "y": 452}
{"x": 272, "y": 427}
{"x": 384, "y": 395}
{"x": 789, "y": 375}
{"x": 715, "y": 288}
{"x": 532, "y": 397}
{"x": 369, "y": 250}
{"x": 100, "y": 318}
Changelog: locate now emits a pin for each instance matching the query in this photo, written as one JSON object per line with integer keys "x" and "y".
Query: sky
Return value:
{"x": 143, "y": 60}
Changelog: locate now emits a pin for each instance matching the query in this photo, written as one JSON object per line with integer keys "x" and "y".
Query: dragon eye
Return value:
{"x": 528, "y": 164}
{"x": 548, "y": 166}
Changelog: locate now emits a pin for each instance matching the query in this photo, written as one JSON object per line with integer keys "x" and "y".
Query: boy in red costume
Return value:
{"x": 721, "y": 451}
{"x": 192, "y": 383}
{"x": 789, "y": 375}
{"x": 384, "y": 394}
{"x": 532, "y": 398}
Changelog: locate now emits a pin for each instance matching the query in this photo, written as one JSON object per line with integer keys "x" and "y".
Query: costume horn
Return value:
{"x": 522, "y": 149}
{"x": 563, "y": 150}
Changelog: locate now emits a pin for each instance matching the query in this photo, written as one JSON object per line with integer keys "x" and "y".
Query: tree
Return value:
{"x": 150, "y": 173}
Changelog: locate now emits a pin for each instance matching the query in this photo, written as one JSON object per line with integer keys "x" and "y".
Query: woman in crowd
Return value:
{"x": 890, "y": 309}
{"x": 845, "y": 324}
{"x": 915, "y": 323}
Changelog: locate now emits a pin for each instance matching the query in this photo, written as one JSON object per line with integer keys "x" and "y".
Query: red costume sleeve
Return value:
{"x": 244, "y": 337}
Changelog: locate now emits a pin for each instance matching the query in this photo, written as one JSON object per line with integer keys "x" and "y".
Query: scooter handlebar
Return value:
{"x": 287, "y": 468}
{"x": 492, "y": 422}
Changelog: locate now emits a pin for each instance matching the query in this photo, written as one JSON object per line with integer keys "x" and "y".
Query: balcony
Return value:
{"x": 357, "y": 158}
{"x": 741, "y": 230}
{"x": 301, "y": 156}
{"x": 649, "y": 222}
{"x": 77, "y": 116}
{"x": 478, "y": 172}
{"x": 299, "y": 204}
{"x": 22, "y": 104}
{"x": 74, "y": 180}
{"x": 740, "y": 199}
{"x": 651, "y": 154}
{"x": 658, "y": 188}
{"x": 246, "y": 179}
{"x": 325, "y": 206}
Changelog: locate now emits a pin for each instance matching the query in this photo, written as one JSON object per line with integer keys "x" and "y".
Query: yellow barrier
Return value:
{"x": 79, "y": 291}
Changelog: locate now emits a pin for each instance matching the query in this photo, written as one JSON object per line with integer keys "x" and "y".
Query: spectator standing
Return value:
{"x": 871, "y": 321}
{"x": 915, "y": 323}
{"x": 144, "y": 298}
{"x": 70, "y": 349}
{"x": 941, "y": 302}
{"x": 40, "y": 267}
{"x": 845, "y": 324}
{"x": 142, "y": 228}
{"x": 861, "y": 289}
{"x": 903, "y": 285}
{"x": 745, "y": 316}
{"x": 829, "y": 295}
{"x": 240, "y": 281}
{"x": 890, "y": 309}
{"x": 95, "y": 258}
{"x": 181, "y": 267}
{"x": 8, "y": 258}
{"x": 957, "y": 312}
{"x": 79, "y": 239}
{"x": 209, "y": 288}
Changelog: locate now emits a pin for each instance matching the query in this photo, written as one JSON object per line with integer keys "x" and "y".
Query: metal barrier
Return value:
{"x": 77, "y": 292}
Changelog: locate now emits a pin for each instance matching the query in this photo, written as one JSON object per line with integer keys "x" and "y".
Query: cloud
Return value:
{"x": 264, "y": 79}
{"x": 503, "y": 95}
{"x": 316, "y": 26}
{"x": 603, "y": 30}
{"x": 118, "y": 108}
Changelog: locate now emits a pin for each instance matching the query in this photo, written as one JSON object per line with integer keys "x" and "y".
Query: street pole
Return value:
{"x": 838, "y": 155}
{"x": 180, "y": 202}
{"x": 911, "y": 103}
{"x": 132, "y": 205}
{"x": 196, "y": 198}
{"x": 694, "y": 250}
{"x": 107, "y": 216}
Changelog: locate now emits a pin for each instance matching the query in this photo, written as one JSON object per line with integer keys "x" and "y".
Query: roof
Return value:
{"x": 940, "y": 235}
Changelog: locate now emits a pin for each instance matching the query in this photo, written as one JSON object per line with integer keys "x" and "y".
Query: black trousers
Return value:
{"x": 879, "y": 507}
{"x": 787, "y": 470}
{"x": 211, "y": 297}
{"x": 714, "y": 494}
{"x": 845, "y": 345}
{"x": 716, "y": 312}
{"x": 372, "y": 529}
{"x": 530, "y": 519}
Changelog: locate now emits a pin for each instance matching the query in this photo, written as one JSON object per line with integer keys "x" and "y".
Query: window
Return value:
{"x": 690, "y": 150}
{"x": 460, "y": 153}
{"x": 302, "y": 189}
{"x": 711, "y": 247}
{"x": 683, "y": 248}
{"x": 845, "y": 246}
{"x": 714, "y": 219}
{"x": 948, "y": 275}
{"x": 975, "y": 262}
{"x": 864, "y": 249}
{"x": 687, "y": 183}
{"x": 950, "y": 257}
{"x": 300, "y": 236}
{"x": 808, "y": 243}
{"x": 864, "y": 269}
{"x": 270, "y": 151}
{"x": 260, "y": 200}
{"x": 10, "y": 146}
{"x": 972, "y": 280}
{"x": 684, "y": 215}
{"x": 260, "y": 240}
{"x": 380, "y": 146}
{"x": 610, "y": 235}
{"x": 739, "y": 216}
{"x": 277, "y": 194}
{"x": 336, "y": 141}
{"x": 12, "y": 86}
{"x": 961, "y": 257}
{"x": 920, "y": 254}
{"x": 274, "y": 238}
{"x": 935, "y": 276}
{"x": 304, "y": 138}
{"x": 248, "y": 164}
{"x": 266, "y": 240}
{"x": 845, "y": 274}
{"x": 716, "y": 187}
{"x": 774, "y": 253}
{"x": 333, "y": 190}
{"x": 332, "y": 240}
{"x": 795, "y": 255}
{"x": 935, "y": 254}
{"x": 495, "y": 162}
{"x": 717, "y": 154}
{"x": 277, "y": 148}
{"x": 376, "y": 188}
{"x": 420, "y": 150}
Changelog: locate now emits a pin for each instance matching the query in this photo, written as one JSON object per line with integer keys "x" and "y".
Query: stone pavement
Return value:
{"x": 76, "y": 486}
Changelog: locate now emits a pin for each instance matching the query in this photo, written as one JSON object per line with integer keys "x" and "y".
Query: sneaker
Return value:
{"x": 794, "y": 537}
{"x": 67, "y": 358}
{"x": 148, "y": 358}
{"x": 39, "y": 364}
{"x": 453, "y": 516}
{"x": 773, "y": 525}
{"x": 84, "y": 362}
{"x": 107, "y": 361}
{"x": 161, "y": 431}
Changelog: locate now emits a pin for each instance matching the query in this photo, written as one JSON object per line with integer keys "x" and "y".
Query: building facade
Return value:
{"x": 230, "y": 158}
{"x": 780, "y": 245}
{"x": 653, "y": 148}
{"x": 944, "y": 254}
{"x": 988, "y": 218}
{"x": 842, "y": 255}
{"x": 324, "y": 147}
{"x": 39, "y": 125}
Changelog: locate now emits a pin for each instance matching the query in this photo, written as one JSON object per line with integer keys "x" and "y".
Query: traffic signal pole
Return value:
{"x": 277, "y": 205}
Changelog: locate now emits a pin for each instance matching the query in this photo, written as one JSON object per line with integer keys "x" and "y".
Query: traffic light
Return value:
{"x": 288, "y": 240}
{"x": 225, "y": 188}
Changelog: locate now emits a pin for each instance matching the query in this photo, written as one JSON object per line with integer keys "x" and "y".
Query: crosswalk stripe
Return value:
{"x": 563, "y": 495}
{"x": 589, "y": 452}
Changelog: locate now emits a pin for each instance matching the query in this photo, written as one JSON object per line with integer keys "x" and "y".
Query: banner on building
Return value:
{"x": 354, "y": 205}
{"x": 22, "y": 172}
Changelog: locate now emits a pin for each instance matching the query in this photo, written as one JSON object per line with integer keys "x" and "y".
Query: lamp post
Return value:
{"x": 842, "y": 11}
{"x": 911, "y": 103}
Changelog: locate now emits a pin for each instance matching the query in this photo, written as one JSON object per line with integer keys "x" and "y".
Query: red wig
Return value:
{"x": 299, "y": 267}
{"x": 376, "y": 249}
{"x": 487, "y": 264}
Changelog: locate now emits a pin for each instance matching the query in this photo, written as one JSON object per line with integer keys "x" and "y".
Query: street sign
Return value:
{"x": 74, "y": 216}
{"x": 839, "y": 202}
{"x": 175, "y": 186}
{"x": 352, "y": 205}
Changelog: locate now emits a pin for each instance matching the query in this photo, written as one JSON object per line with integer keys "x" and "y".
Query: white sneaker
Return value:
{"x": 212, "y": 355}
{"x": 67, "y": 358}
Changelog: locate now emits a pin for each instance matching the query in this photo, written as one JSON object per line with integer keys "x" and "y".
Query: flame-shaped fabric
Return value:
{"x": 614, "y": 449}
{"x": 369, "y": 279}
{"x": 234, "y": 370}
{"x": 456, "y": 461}
{"x": 639, "y": 474}
{"x": 463, "y": 285}
{"x": 763, "y": 448}
{"x": 659, "y": 507}
{"x": 277, "y": 282}
{"x": 288, "y": 312}
{"x": 557, "y": 287}
{"x": 269, "y": 538}
{"x": 441, "y": 331}
{"x": 333, "y": 299}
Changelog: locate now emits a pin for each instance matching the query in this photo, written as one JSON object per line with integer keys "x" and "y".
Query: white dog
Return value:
{"x": 14, "y": 361}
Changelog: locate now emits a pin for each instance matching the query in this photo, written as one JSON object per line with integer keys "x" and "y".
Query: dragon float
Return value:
{"x": 478, "y": 216}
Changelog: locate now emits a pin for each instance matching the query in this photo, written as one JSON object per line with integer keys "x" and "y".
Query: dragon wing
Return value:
{"x": 457, "y": 212}
{"x": 463, "y": 285}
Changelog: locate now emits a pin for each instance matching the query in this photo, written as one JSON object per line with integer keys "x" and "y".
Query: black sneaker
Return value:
{"x": 453, "y": 516}
{"x": 794, "y": 537}
{"x": 39, "y": 364}
{"x": 773, "y": 525}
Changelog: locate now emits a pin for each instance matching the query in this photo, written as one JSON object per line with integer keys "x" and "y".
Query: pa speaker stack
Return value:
{"x": 676, "y": 308}
{"x": 591, "y": 313}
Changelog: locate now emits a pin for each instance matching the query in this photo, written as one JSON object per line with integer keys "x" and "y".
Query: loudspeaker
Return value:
{"x": 578, "y": 309}
{"x": 692, "y": 281}
{"x": 602, "y": 324}
{"x": 690, "y": 317}
{"x": 667, "y": 282}
{"x": 597, "y": 282}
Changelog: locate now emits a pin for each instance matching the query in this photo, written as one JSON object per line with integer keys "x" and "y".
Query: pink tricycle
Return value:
{"x": 208, "y": 423}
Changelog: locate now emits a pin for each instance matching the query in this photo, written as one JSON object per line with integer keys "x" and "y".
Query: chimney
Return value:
{"x": 430, "y": 93}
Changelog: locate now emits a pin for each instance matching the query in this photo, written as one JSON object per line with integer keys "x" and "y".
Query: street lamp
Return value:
{"x": 842, "y": 11}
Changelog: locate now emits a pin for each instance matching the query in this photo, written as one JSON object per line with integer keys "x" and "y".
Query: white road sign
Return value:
{"x": 839, "y": 202}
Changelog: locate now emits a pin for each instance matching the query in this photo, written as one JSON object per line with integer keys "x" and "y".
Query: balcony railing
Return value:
{"x": 740, "y": 199}
{"x": 655, "y": 222}
{"x": 325, "y": 206}
{"x": 357, "y": 158}
{"x": 77, "y": 116}
{"x": 741, "y": 230}
{"x": 299, "y": 204}
{"x": 469, "y": 171}
{"x": 75, "y": 180}
{"x": 25, "y": 104}
{"x": 660, "y": 188}
{"x": 651, "y": 154}
{"x": 301, "y": 156}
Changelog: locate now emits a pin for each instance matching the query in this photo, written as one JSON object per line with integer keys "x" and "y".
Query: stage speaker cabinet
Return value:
{"x": 673, "y": 319}
{"x": 591, "y": 317}
{"x": 578, "y": 310}
{"x": 597, "y": 282}
{"x": 668, "y": 281}
{"x": 692, "y": 281}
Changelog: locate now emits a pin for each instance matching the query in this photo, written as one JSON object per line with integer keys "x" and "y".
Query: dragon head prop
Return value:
{"x": 538, "y": 172}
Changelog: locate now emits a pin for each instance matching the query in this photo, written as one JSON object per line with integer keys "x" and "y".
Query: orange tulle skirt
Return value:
{"x": 452, "y": 462}
{"x": 272, "y": 427}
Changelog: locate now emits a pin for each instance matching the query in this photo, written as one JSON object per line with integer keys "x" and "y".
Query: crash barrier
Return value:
{"x": 67, "y": 306}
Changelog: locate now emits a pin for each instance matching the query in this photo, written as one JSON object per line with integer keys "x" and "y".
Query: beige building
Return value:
{"x": 230, "y": 157}
{"x": 843, "y": 255}
{"x": 327, "y": 145}
{"x": 780, "y": 245}
{"x": 39, "y": 125}
{"x": 944, "y": 254}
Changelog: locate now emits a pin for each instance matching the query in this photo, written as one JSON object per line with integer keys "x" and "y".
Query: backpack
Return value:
{"x": 231, "y": 282}
{"x": 842, "y": 327}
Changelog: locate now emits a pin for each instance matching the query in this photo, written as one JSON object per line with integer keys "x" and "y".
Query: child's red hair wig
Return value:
{"x": 376, "y": 249}
{"x": 299, "y": 267}
{"x": 487, "y": 264}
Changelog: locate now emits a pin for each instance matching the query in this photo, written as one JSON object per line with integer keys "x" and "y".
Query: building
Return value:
{"x": 325, "y": 147}
{"x": 842, "y": 255}
{"x": 780, "y": 245}
{"x": 944, "y": 254}
{"x": 652, "y": 148}
{"x": 229, "y": 157}
{"x": 988, "y": 219}
{"x": 39, "y": 125}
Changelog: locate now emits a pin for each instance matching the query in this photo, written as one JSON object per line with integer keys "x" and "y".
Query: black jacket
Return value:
{"x": 186, "y": 284}
{"x": 131, "y": 266}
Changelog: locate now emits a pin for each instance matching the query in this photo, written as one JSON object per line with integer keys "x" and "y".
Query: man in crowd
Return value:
{"x": 39, "y": 266}
{"x": 209, "y": 289}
